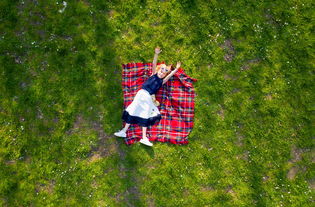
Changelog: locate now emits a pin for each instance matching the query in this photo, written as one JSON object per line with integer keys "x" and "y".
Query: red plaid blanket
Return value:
{"x": 177, "y": 103}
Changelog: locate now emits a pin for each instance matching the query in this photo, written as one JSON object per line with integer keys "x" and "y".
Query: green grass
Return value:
{"x": 61, "y": 101}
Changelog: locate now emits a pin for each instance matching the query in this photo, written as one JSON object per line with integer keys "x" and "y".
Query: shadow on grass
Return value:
{"x": 149, "y": 151}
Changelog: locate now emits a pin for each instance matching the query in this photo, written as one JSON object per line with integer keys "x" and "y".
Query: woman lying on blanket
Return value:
{"x": 142, "y": 110}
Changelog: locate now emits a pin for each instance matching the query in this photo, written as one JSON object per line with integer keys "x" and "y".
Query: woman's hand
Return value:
{"x": 178, "y": 65}
{"x": 157, "y": 50}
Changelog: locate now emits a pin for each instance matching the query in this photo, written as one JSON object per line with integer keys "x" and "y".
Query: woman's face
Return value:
{"x": 163, "y": 71}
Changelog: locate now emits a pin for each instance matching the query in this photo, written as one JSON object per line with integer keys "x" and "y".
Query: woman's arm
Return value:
{"x": 156, "y": 54}
{"x": 172, "y": 73}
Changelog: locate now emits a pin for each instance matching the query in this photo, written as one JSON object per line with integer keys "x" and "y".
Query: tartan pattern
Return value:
{"x": 177, "y": 103}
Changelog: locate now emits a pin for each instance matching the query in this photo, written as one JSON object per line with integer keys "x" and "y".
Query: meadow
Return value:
{"x": 61, "y": 101}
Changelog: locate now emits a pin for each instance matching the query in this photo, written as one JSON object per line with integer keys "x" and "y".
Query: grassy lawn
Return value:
{"x": 61, "y": 101}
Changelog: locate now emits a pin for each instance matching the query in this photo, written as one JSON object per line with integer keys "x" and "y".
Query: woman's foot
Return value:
{"x": 146, "y": 141}
{"x": 121, "y": 133}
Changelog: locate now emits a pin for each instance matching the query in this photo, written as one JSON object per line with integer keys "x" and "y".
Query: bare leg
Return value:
{"x": 144, "y": 132}
{"x": 144, "y": 139}
{"x": 126, "y": 127}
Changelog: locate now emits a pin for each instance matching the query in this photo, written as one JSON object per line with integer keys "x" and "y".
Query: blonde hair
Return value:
{"x": 158, "y": 68}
